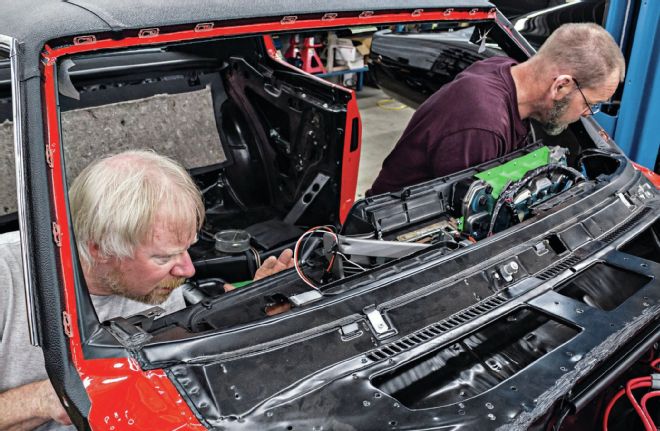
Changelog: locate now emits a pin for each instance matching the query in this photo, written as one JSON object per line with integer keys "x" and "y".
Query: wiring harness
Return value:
{"x": 652, "y": 384}
{"x": 299, "y": 252}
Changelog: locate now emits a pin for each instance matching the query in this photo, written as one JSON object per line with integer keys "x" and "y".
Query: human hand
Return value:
{"x": 273, "y": 266}
{"x": 50, "y": 405}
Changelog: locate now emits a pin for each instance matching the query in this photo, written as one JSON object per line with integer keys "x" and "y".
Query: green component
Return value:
{"x": 461, "y": 221}
{"x": 242, "y": 283}
{"x": 514, "y": 170}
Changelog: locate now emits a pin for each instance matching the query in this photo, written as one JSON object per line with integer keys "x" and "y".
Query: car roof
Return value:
{"x": 34, "y": 22}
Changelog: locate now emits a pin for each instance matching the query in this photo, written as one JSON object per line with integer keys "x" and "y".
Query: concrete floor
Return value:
{"x": 381, "y": 128}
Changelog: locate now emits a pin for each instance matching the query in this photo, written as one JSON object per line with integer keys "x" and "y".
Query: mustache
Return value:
{"x": 172, "y": 283}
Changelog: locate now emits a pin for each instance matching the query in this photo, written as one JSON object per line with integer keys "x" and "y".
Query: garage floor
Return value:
{"x": 383, "y": 121}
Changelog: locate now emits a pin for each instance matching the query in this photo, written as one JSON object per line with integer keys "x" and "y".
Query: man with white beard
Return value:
{"x": 135, "y": 214}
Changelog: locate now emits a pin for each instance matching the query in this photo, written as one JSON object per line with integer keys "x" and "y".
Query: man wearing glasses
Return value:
{"x": 484, "y": 112}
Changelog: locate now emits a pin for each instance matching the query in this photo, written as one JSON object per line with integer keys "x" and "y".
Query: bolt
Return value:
{"x": 510, "y": 268}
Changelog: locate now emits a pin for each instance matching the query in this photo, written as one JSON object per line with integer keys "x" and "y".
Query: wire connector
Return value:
{"x": 655, "y": 381}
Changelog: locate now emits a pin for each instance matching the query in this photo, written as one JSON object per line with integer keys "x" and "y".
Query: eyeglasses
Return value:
{"x": 593, "y": 107}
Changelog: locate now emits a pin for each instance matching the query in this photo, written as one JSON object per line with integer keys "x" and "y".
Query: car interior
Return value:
{"x": 264, "y": 142}
{"x": 267, "y": 145}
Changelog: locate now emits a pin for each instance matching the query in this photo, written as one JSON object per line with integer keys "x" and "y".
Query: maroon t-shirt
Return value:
{"x": 468, "y": 121}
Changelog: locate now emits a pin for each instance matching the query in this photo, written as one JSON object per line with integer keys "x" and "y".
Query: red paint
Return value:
{"x": 127, "y": 398}
{"x": 279, "y": 26}
{"x": 652, "y": 176}
{"x": 122, "y": 395}
{"x": 350, "y": 161}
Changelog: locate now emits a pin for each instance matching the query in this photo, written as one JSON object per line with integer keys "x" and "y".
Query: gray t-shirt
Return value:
{"x": 21, "y": 362}
{"x": 111, "y": 306}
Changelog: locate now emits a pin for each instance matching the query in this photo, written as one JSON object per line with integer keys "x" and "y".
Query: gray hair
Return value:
{"x": 115, "y": 200}
{"x": 586, "y": 51}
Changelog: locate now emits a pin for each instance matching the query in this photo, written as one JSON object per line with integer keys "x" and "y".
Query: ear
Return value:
{"x": 95, "y": 252}
{"x": 562, "y": 85}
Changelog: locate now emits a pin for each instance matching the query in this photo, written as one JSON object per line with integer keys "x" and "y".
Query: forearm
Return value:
{"x": 21, "y": 408}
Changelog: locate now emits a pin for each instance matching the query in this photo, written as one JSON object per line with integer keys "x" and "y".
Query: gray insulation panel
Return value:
{"x": 181, "y": 126}
{"x": 8, "y": 169}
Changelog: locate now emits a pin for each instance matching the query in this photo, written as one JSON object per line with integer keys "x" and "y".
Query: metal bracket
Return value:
{"x": 290, "y": 19}
{"x": 625, "y": 201}
{"x": 377, "y": 321}
{"x": 305, "y": 298}
{"x": 306, "y": 198}
{"x": 541, "y": 248}
{"x": 377, "y": 248}
{"x": 350, "y": 331}
{"x": 66, "y": 323}
{"x": 50, "y": 152}
{"x": 148, "y": 32}
{"x": 330, "y": 16}
{"x": 84, "y": 40}
{"x": 366, "y": 14}
{"x": 128, "y": 335}
{"x": 57, "y": 234}
{"x": 205, "y": 26}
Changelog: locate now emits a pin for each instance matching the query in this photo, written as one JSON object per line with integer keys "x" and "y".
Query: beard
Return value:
{"x": 114, "y": 281}
{"x": 551, "y": 125}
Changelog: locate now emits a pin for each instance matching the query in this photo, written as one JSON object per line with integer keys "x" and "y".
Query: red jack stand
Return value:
{"x": 311, "y": 60}
{"x": 292, "y": 54}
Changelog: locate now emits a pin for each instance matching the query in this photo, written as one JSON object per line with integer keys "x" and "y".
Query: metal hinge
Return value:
{"x": 290, "y": 19}
{"x": 66, "y": 322}
{"x": 57, "y": 234}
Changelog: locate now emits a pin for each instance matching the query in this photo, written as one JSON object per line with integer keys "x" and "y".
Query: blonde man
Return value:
{"x": 135, "y": 214}
{"x": 484, "y": 112}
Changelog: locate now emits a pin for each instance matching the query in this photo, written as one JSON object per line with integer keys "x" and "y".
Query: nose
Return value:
{"x": 184, "y": 267}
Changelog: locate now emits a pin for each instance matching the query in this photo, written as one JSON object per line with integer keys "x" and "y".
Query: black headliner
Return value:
{"x": 34, "y": 22}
